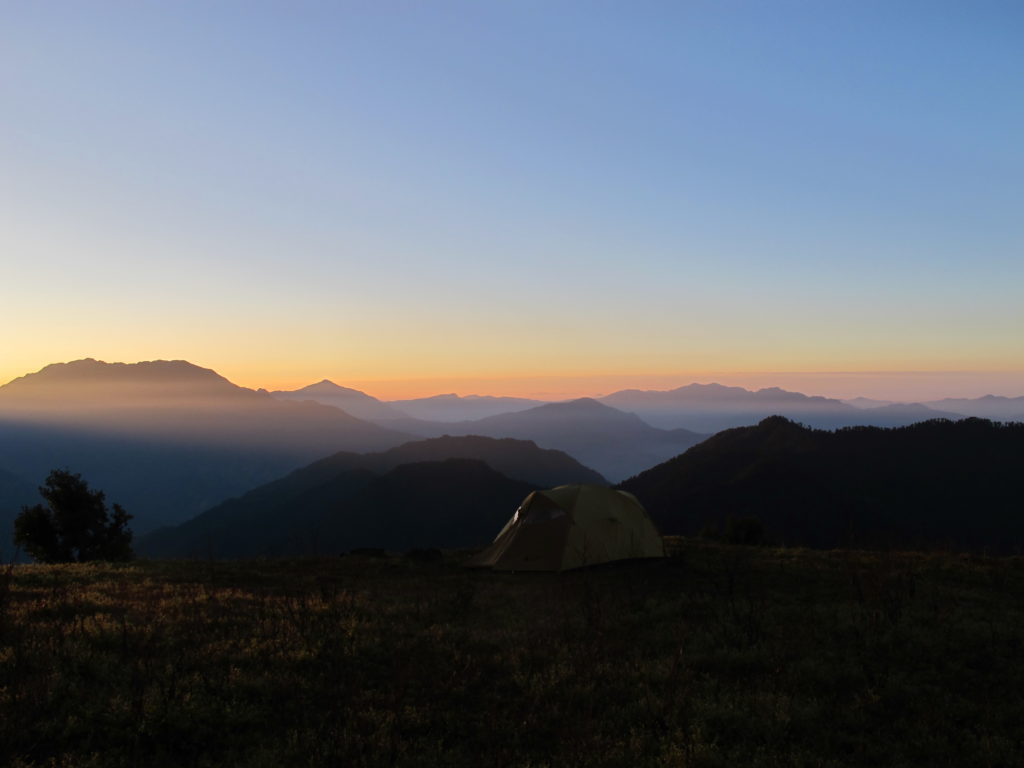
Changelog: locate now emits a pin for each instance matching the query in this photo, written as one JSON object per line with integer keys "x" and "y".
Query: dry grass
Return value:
{"x": 720, "y": 656}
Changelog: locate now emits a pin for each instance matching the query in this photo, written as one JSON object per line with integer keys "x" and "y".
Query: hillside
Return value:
{"x": 451, "y": 503}
{"x": 279, "y": 515}
{"x": 934, "y": 483}
{"x": 718, "y": 656}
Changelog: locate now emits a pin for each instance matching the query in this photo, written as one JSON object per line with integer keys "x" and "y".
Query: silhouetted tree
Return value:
{"x": 74, "y": 526}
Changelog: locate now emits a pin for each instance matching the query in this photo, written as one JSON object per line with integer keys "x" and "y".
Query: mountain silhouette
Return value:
{"x": 451, "y": 503}
{"x": 270, "y": 511}
{"x": 714, "y": 407}
{"x": 352, "y": 401}
{"x": 519, "y": 459}
{"x": 988, "y": 407}
{"x": 175, "y": 399}
{"x": 933, "y": 483}
{"x": 166, "y": 439}
{"x": 454, "y": 408}
{"x": 92, "y": 380}
{"x": 615, "y": 443}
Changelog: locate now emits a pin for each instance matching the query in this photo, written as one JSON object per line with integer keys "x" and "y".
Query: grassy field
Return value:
{"x": 718, "y": 656}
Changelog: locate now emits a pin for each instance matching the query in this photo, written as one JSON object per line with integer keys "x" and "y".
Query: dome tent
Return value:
{"x": 572, "y": 526}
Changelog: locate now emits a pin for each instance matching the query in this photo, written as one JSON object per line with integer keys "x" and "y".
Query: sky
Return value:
{"x": 518, "y": 197}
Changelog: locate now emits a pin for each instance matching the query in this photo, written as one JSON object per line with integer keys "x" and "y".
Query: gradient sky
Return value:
{"x": 434, "y": 196}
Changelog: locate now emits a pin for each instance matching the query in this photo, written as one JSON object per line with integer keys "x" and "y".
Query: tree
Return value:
{"x": 75, "y": 525}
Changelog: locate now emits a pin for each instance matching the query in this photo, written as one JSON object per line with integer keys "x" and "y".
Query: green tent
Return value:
{"x": 570, "y": 527}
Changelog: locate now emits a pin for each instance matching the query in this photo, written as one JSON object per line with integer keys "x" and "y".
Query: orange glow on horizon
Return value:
{"x": 294, "y": 373}
{"x": 887, "y": 385}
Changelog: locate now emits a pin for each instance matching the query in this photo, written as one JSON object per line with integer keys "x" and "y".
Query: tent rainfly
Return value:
{"x": 572, "y": 526}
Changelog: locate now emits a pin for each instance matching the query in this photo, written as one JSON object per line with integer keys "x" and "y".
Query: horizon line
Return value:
{"x": 875, "y": 383}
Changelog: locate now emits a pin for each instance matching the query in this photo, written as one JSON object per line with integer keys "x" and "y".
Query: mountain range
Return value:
{"x": 169, "y": 440}
{"x": 615, "y": 443}
{"x": 937, "y": 483}
{"x": 987, "y": 407}
{"x": 701, "y": 408}
{"x": 351, "y": 401}
{"x": 714, "y": 407}
{"x": 452, "y": 407}
{"x": 450, "y": 503}
{"x": 313, "y": 509}
{"x": 166, "y": 439}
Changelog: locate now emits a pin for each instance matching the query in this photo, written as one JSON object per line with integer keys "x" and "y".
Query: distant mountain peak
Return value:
{"x": 90, "y": 373}
{"x": 580, "y": 406}
{"x": 352, "y": 401}
{"x": 588, "y": 402}
{"x": 328, "y": 387}
{"x": 713, "y": 386}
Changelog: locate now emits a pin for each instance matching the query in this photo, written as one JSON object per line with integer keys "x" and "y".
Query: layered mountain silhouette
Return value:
{"x": 455, "y": 408}
{"x": 714, "y": 407}
{"x": 279, "y": 516}
{"x": 518, "y": 459}
{"x": 615, "y": 443}
{"x": 867, "y": 402}
{"x": 166, "y": 439}
{"x": 450, "y": 503}
{"x": 352, "y": 401}
{"x": 177, "y": 400}
{"x": 705, "y": 408}
{"x": 938, "y": 482}
{"x": 988, "y": 407}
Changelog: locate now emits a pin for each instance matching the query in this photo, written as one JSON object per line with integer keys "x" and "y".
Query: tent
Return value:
{"x": 570, "y": 527}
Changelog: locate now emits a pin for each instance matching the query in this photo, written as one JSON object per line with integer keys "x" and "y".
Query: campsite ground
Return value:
{"x": 718, "y": 656}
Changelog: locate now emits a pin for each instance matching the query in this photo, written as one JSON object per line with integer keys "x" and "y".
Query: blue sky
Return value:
{"x": 287, "y": 191}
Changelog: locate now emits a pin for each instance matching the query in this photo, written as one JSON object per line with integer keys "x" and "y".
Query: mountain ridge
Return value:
{"x": 351, "y": 401}
{"x": 714, "y": 407}
{"x": 615, "y": 443}
{"x": 937, "y": 482}
{"x": 455, "y": 502}
{"x": 166, "y": 438}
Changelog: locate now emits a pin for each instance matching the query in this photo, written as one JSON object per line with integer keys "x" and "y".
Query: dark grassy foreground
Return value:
{"x": 721, "y": 656}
